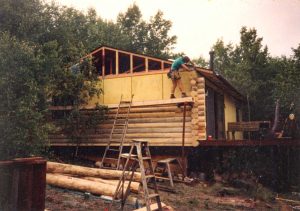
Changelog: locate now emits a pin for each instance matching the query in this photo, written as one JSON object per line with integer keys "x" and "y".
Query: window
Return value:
{"x": 97, "y": 61}
{"x": 110, "y": 62}
{"x": 139, "y": 64}
{"x": 154, "y": 65}
{"x": 124, "y": 63}
{"x": 167, "y": 66}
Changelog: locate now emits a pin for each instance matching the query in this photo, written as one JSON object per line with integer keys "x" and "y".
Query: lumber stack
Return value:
{"x": 198, "y": 111}
{"x": 92, "y": 180}
{"x": 160, "y": 125}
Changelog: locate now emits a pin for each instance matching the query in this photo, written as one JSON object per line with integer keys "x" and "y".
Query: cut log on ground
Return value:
{"x": 134, "y": 186}
{"x": 53, "y": 167}
{"x": 80, "y": 184}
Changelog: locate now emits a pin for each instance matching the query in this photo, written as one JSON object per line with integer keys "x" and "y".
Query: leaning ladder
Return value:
{"x": 133, "y": 161}
{"x": 114, "y": 148}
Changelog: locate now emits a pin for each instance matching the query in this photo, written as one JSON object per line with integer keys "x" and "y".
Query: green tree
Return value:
{"x": 22, "y": 19}
{"x": 158, "y": 41}
{"x": 23, "y": 127}
{"x": 132, "y": 24}
{"x": 201, "y": 62}
{"x": 35, "y": 67}
{"x": 223, "y": 58}
{"x": 287, "y": 81}
{"x": 151, "y": 37}
{"x": 246, "y": 66}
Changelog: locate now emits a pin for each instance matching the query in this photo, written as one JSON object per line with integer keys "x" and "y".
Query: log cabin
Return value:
{"x": 211, "y": 103}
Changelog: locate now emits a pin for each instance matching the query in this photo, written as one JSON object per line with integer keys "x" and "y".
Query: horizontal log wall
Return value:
{"x": 161, "y": 125}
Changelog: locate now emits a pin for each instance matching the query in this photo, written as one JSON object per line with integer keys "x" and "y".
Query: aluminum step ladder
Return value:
{"x": 114, "y": 148}
{"x": 133, "y": 161}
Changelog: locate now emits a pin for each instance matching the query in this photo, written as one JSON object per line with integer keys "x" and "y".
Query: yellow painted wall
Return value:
{"x": 230, "y": 114}
{"x": 147, "y": 87}
{"x": 114, "y": 88}
{"x": 144, "y": 87}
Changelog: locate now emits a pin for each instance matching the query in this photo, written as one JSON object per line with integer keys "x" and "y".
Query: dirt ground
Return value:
{"x": 243, "y": 193}
{"x": 199, "y": 196}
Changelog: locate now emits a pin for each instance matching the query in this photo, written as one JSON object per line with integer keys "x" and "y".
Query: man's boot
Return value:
{"x": 172, "y": 96}
{"x": 183, "y": 94}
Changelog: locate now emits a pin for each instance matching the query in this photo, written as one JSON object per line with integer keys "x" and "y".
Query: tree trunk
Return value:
{"x": 134, "y": 186}
{"x": 80, "y": 184}
{"x": 53, "y": 167}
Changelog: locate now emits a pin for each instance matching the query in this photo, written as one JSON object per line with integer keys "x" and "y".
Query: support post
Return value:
{"x": 183, "y": 136}
{"x": 146, "y": 64}
{"x": 131, "y": 63}
{"x": 103, "y": 62}
{"x": 117, "y": 62}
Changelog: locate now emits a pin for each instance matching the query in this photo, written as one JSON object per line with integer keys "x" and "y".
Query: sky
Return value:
{"x": 198, "y": 24}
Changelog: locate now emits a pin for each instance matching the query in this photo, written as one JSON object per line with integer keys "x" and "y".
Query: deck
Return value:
{"x": 243, "y": 143}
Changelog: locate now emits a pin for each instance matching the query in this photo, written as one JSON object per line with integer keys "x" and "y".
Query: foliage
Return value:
{"x": 131, "y": 23}
{"x": 23, "y": 126}
{"x": 35, "y": 67}
{"x": 287, "y": 80}
{"x": 200, "y": 61}
{"x": 263, "y": 79}
{"x": 151, "y": 37}
{"x": 158, "y": 43}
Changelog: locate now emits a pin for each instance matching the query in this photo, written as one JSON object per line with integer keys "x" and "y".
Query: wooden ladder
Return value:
{"x": 133, "y": 161}
{"x": 113, "y": 152}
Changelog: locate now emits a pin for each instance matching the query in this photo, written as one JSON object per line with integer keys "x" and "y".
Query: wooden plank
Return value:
{"x": 139, "y": 130}
{"x": 128, "y": 135}
{"x": 178, "y": 124}
{"x": 139, "y": 55}
{"x": 155, "y": 120}
{"x": 157, "y": 102}
{"x": 176, "y": 144}
{"x": 103, "y": 142}
{"x": 146, "y": 64}
{"x": 134, "y": 104}
{"x": 117, "y": 62}
{"x": 165, "y": 120}
{"x": 103, "y": 62}
{"x": 149, "y": 115}
{"x": 150, "y": 109}
{"x": 131, "y": 63}
{"x": 150, "y": 125}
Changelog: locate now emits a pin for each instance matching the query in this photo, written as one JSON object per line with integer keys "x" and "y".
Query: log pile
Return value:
{"x": 92, "y": 180}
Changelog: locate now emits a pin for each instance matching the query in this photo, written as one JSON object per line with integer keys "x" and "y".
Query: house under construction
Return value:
{"x": 211, "y": 103}
{"x": 211, "y": 115}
